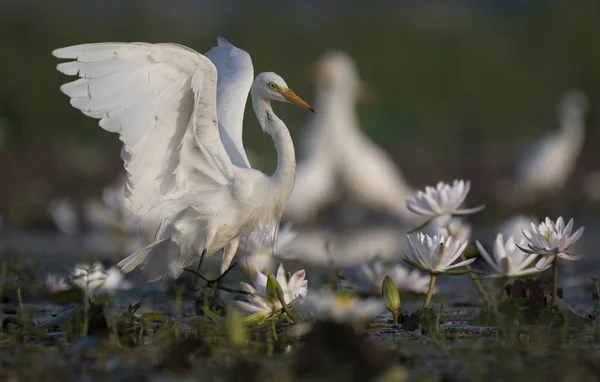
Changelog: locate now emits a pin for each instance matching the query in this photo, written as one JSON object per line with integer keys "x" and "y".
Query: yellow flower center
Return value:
{"x": 546, "y": 236}
{"x": 344, "y": 301}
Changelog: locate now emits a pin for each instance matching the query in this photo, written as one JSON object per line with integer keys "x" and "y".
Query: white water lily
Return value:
{"x": 55, "y": 283}
{"x": 551, "y": 239}
{"x": 259, "y": 250}
{"x": 292, "y": 289}
{"x": 90, "y": 278}
{"x": 343, "y": 308}
{"x": 370, "y": 277}
{"x": 435, "y": 254}
{"x": 442, "y": 201}
{"x": 508, "y": 260}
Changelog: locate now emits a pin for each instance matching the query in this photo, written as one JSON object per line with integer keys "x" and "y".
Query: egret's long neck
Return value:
{"x": 573, "y": 123}
{"x": 337, "y": 106}
{"x": 334, "y": 97}
{"x": 283, "y": 179}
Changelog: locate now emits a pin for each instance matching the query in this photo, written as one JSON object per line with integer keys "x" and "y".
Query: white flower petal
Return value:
{"x": 488, "y": 259}
{"x": 462, "y": 263}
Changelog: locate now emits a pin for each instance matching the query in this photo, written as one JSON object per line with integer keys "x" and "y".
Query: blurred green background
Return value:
{"x": 459, "y": 87}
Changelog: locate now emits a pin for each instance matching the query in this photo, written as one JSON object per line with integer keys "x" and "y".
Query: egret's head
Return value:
{"x": 574, "y": 102}
{"x": 337, "y": 71}
{"x": 337, "y": 68}
{"x": 272, "y": 87}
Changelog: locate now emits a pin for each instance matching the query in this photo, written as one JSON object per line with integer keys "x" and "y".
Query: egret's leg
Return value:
{"x": 226, "y": 266}
{"x": 210, "y": 235}
{"x": 202, "y": 256}
{"x": 229, "y": 253}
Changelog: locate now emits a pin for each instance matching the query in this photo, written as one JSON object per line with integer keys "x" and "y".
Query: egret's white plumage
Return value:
{"x": 336, "y": 154}
{"x": 235, "y": 79}
{"x": 182, "y": 143}
{"x": 545, "y": 168}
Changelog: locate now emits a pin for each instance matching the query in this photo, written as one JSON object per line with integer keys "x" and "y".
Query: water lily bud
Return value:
{"x": 236, "y": 330}
{"x": 272, "y": 290}
{"x": 390, "y": 294}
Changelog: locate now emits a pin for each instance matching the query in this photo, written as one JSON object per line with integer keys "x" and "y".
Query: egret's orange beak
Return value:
{"x": 291, "y": 97}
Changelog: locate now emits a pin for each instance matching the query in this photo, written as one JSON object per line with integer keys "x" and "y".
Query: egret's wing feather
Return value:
{"x": 161, "y": 99}
{"x": 236, "y": 74}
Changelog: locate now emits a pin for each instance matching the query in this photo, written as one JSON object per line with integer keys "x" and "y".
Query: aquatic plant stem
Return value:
{"x": 429, "y": 291}
{"x": 555, "y": 281}
{"x": 503, "y": 282}
{"x": 475, "y": 281}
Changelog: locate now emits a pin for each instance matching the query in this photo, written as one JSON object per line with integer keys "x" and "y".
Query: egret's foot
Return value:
{"x": 216, "y": 283}
{"x": 216, "y": 286}
{"x": 218, "y": 279}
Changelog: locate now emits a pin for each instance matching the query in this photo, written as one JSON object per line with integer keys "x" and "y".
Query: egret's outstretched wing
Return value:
{"x": 161, "y": 99}
{"x": 235, "y": 79}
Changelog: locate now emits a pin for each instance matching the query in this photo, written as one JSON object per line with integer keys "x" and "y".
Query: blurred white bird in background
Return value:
{"x": 182, "y": 143}
{"x": 64, "y": 214}
{"x": 591, "y": 186}
{"x": 515, "y": 225}
{"x": 327, "y": 247}
{"x": 336, "y": 156}
{"x": 546, "y": 167}
{"x": 106, "y": 214}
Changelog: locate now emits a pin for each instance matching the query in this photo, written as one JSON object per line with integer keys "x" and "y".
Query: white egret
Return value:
{"x": 336, "y": 155}
{"x": 545, "y": 168}
{"x": 182, "y": 143}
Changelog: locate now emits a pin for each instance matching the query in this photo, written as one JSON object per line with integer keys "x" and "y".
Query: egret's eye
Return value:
{"x": 271, "y": 85}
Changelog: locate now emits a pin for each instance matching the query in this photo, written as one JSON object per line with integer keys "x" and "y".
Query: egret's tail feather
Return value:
{"x": 129, "y": 263}
{"x": 159, "y": 260}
